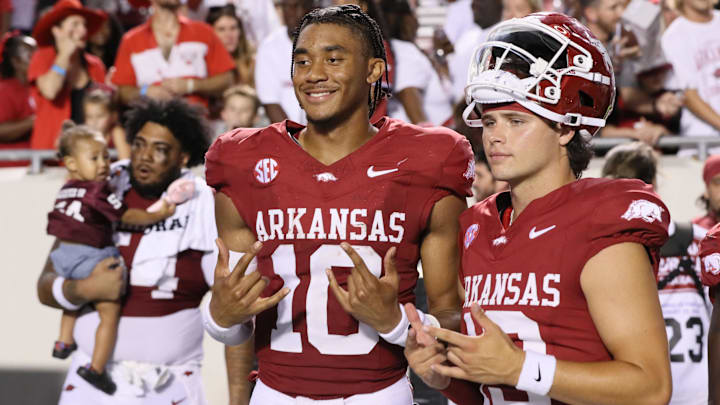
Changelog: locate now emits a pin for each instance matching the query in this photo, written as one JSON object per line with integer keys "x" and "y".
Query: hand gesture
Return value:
{"x": 369, "y": 299}
{"x": 422, "y": 351}
{"x": 236, "y": 296}
{"x": 668, "y": 104}
{"x": 105, "y": 283}
{"x": 64, "y": 42}
{"x": 491, "y": 358}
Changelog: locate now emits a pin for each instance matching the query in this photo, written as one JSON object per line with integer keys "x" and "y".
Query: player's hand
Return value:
{"x": 369, "y": 299}
{"x": 491, "y": 358}
{"x": 105, "y": 283}
{"x": 422, "y": 351}
{"x": 236, "y": 296}
{"x": 166, "y": 210}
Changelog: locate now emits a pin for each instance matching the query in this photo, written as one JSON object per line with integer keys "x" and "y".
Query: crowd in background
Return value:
{"x": 87, "y": 61}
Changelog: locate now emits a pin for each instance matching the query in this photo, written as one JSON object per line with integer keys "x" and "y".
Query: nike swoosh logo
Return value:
{"x": 371, "y": 172}
{"x": 538, "y": 377}
{"x": 535, "y": 233}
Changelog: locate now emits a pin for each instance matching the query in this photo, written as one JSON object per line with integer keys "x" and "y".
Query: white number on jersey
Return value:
{"x": 114, "y": 201}
{"x": 72, "y": 210}
{"x": 528, "y": 331}
{"x": 283, "y": 338}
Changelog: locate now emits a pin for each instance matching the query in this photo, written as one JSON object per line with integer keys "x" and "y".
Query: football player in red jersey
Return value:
{"x": 341, "y": 211}
{"x": 561, "y": 266}
{"x": 710, "y": 262}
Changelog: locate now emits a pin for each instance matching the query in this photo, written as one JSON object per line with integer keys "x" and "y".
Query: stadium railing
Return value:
{"x": 702, "y": 143}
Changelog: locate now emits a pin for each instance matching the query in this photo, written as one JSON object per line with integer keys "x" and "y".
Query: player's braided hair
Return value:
{"x": 353, "y": 17}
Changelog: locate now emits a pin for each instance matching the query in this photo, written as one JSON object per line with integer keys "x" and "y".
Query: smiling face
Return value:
{"x": 333, "y": 72}
{"x": 156, "y": 159}
{"x": 519, "y": 145}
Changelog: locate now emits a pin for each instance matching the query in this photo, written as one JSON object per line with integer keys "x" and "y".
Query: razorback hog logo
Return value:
{"x": 712, "y": 263}
{"x": 645, "y": 210}
{"x": 325, "y": 177}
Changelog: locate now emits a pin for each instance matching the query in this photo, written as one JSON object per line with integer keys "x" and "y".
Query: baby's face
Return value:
{"x": 92, "y": 160}
{"x": 98, "y": 117}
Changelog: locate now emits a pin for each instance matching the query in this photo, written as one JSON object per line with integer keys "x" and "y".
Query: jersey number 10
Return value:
{"x": 283, "y": 337}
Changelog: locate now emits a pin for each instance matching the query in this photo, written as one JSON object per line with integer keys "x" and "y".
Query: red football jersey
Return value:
{"x": 710, "y": 258}
{"x": 85, "y": 212}
{"x": 527, "y": 277}
{"x": 377, "y": 197}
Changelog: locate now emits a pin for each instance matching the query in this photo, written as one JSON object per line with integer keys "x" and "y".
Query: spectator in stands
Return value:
{"x": 415, "y": 76}
{"x": 684, "y": 302}
{"x": 603, "y": 19}
{"x": 105, "y": 42}
{"x": 272, "y": 66}
{"x": 690, "y": 44}
{"x": 6, "y": 9}
{"x": 519, "y": 8}
{"x": 458, "y": 19}
{"x": 259, "y": 18}
{"x": 170, "y": 56}
{"x": 61, "y": 71}
{"x": 17, "y": 114}
{"x": 486, "y": 13}
{"x": 240, "y": 109}
{"x": 101, "y": 114}
{"x": 710, "y": 199}
{"x": 231, "y": 32}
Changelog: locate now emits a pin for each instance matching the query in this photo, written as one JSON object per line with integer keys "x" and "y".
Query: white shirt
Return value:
{"x": 413, "y": 69}
{"x": 272, "y": 74}
{"x": 458, "y": 19}
{"x": 694, "y": 51}
{"x": 459, "y": 61}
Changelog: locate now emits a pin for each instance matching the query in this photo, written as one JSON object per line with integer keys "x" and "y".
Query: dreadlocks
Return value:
{"x": 353, "y": 17}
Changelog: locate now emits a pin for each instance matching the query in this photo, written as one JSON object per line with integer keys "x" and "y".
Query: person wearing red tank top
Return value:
{"x": 560, "y": 303}
{"x": 327, "y": 223}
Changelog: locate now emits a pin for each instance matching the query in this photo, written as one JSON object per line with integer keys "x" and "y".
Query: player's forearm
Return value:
{"x": 45, "y": 285}
{"x": 213, "y": 85}
{"x": 714, "y": 351}
{"x": 239, "y": 361}
{"x": 611, "y": 382}
{"x": 449, "y": 319}
{"x": 701, "y": 109}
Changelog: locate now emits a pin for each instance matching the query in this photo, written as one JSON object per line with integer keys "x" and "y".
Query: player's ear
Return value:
{"x": 376, "y": 70}
{"x": 184, "y": 158}
{"x": 565, "y": 133}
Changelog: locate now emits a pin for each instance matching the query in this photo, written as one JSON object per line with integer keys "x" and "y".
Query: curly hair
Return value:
{"x": 185, "y": 121}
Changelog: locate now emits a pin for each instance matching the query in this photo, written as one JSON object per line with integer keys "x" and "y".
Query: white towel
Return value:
{"x": 191, "y": 227}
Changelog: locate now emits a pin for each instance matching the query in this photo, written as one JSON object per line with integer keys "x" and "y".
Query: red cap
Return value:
{"x": 711, "y": 168}
{"x": 61, "y": 10}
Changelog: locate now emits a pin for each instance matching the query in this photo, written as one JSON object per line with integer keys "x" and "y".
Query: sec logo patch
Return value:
{"x": 266, "y": 170}
{"x": 470, "y": 234}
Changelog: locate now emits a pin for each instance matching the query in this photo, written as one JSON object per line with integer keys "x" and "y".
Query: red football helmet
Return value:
{"x": 550, "y": 64}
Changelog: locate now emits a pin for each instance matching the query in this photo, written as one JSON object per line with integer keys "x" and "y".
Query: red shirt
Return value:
{"x": 198, "y": 53}
{"x": 379, "y": 196}
{"x": 17, "y": 105}
{"x": 527, "y": 277}
{"x": 6, "y": 6}
{"x": 85, "y": 212}
{"x": 51, "y": 113}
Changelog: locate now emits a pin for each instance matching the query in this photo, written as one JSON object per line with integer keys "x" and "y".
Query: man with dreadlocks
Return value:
{"x": 334, "y": 217}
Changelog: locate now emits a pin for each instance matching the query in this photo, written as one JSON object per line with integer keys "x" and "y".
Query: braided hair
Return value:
{"x": 353, "y": 17}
